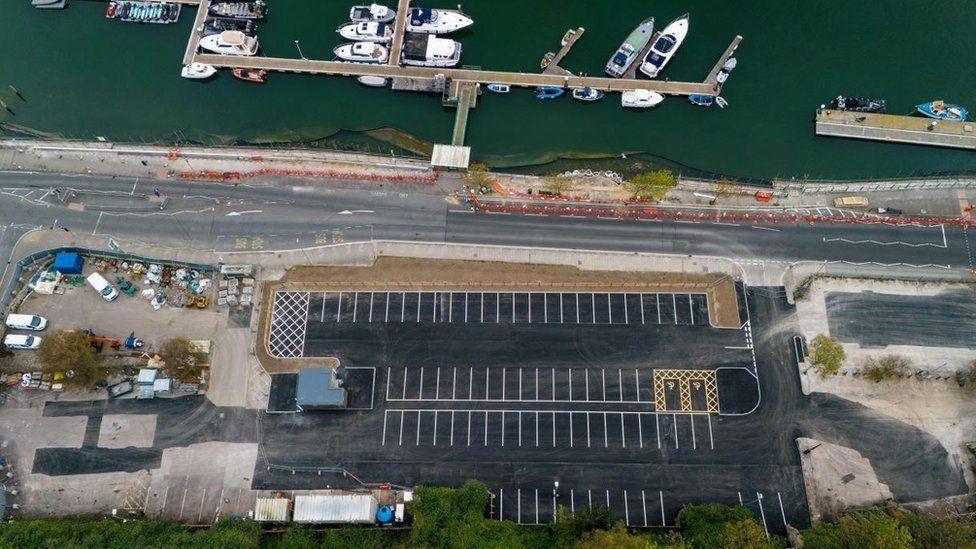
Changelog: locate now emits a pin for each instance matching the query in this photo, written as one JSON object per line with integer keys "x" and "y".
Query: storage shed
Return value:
{"x": 319, "y": 388}
{"x": 68, "y": 263}
{"x": 335, "y": 509}
{"x": 271, "y": 509}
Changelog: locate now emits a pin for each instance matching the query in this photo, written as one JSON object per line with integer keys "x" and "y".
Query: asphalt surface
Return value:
{"x": 947, "y": 319}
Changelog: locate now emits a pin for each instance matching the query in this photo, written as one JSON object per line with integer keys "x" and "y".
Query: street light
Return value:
{"x": 300, "y": 54}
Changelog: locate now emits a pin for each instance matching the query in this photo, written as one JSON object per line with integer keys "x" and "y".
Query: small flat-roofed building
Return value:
{"x": 320, "y": 388}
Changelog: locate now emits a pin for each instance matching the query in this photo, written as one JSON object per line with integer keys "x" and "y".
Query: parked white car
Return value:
{"x": 18, "y": 341}
{"x": 26, "y": 322}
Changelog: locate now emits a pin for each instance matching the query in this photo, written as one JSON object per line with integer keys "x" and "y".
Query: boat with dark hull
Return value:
{"x": 161, "y": 13}
{"x": 218, "y": 25}
{"x": 239, "y": 10}
{"x": 856, "y": 104}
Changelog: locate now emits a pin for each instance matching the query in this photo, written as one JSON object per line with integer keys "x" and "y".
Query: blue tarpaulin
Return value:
{"x": 68, "y": 263}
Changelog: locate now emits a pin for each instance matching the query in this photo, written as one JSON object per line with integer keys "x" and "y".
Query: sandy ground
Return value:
{"x": 837, "y": 478}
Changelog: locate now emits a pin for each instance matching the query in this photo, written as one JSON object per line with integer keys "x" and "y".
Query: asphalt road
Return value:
{"x": 289, "y": 214}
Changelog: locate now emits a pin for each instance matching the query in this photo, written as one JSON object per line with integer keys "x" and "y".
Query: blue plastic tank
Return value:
{"x": 384, "y": 514}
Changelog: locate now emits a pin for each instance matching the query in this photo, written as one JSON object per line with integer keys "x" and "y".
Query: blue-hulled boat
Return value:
{"x": 548, "y": 92}
{"x": 941, "y": 110}
{"x": 707, "y": 100}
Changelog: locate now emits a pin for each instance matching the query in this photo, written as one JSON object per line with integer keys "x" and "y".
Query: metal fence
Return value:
{"x": 878, "y": 186}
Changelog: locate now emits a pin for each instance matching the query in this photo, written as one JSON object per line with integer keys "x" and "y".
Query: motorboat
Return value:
{"x": 373, "y": 12}
{"x": 436, "y": 21}
{"x": 217, "y": 25}
{"x": 587, "y": 94}
{"x": 230, "y": 43}
{"x": 941, "y": 110}
{"x": 239, "y": 10}
{"x": 549, "y": 92}
{"x": 363, "y": 52}
{"x": 627, "y": 53}
{"x": 640, "y": 99}
{"x": 49, "y": 4}
{"x": 427, "y": 50}
{"x": 707, "y": 100}
{"x": 373, "y": 81}
{"x": 855, "y": 104}
{"x": 369, "y": 31}
{"x": 499, "y": 88}
{"x": 730, "y": 65}
{"x": 143, "y": 12}
{"x": 665, "y": 46}
{"x": 258, "y": 76}
{"x": 198, "y": 71}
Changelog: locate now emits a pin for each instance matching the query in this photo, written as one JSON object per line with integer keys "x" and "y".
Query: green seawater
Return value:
{"x": 84, "y": 75}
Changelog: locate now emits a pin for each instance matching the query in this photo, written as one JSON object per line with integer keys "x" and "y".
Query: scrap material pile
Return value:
{"x": 165, "y": 284}
{"x": 236, "y": 286}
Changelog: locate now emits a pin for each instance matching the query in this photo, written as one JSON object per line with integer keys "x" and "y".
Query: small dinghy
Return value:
{"x": 369, "y": 31}
{"x": 239, "y": 10}
{"x": 640, "y": 99}
{"x": 499, "y": 88}
{"x": 258, "y": 76}
{"x": 855, "y": 104}
{"x": 548, "y": 92}
{"x": 436, "y": 21}
{"x": 665, "y": 46}
{"x": 587, "y": 94}
{"x": 706, "y": 100}
{"x": 372, "y": 12}
{"x": 373, "y": 81}
{"x": 198, "y": 71}
{"x": 362, "y": 52}
{"x": 941, "y": 110}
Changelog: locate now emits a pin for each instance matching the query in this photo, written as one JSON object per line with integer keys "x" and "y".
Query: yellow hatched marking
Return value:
{"x": 685, "y": 381}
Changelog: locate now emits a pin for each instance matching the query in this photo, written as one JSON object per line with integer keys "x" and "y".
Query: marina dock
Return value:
{"x": 712, "y": 78}
{"x": 554, "y": 67}
{"x": 631, "y": 71}
{"x": 915, "y": 130}
{"x": 400, "y": 24}
{"x": 196, "y": 31}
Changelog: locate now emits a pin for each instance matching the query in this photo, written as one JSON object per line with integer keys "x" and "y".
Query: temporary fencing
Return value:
{"x": 334, "y": 174}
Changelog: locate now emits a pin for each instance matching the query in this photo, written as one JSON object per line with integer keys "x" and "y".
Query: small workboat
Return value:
{"x": 499, "y": 88}
{"x": 239, "y": 10}
{"x": 587, "y": 94}
{"x": 640, "y": 99}
{"x": 627, "y": 53}
{"x": 548, "y": 92}
{"x": 257, "y": 76}
{"x": 230, "y": 43}
{"x": 665, "y": 46}
{"x": 436, "y": 21}
{"x": 369, "y": 31}
{"x": 707, "y": 100}
{"x": 217, "y": 25}
{"x": 855, "y": 104}
{"x": 372, "y": 12}
{"x": 941, "y": 110}
{"x": 373, "y": 81}
{"x": 547, "y": 59}
{"x": 363, "y": 52}
{"x": 730, "y": 65}
{"x": 568, "y": 36}
{"x": 427, "y": 50}
{"x": 198, "y": 71}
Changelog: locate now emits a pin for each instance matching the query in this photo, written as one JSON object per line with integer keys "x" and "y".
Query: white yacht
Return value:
{"x": 363, "y": 52}
{"x": 372, "y": 12}
{"x": 198, "y": 71}
{"x": 665, "y": 46}
{"x": 436, "y": 21}
{"x": 425, "y": 50}
{"x": 366, "y": 32}
{"x": 230, "y": 43}
{"x": 627, "y": 53}
{"x": 640, "y": 99}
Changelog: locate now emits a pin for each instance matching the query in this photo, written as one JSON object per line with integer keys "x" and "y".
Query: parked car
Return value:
{"x": 18, "y": 341}
{"x": 26, "y": 322}
{"x": 890, "y": 211}
{"x": 106, "y": 290}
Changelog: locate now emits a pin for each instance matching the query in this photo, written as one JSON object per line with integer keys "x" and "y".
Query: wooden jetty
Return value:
{"x": 553, "y": 67}
{"x": 399, "y": 29}
{"x": 631, "y": 71}
{"x": 196, "y": 32}
{"x": 915, "y": 130}
{"x": 712, "y": 78}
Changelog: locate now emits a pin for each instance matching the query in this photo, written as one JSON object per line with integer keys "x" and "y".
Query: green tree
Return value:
{"x": 886, "y": 367}
{"x": 870, "y": 529}
{"x": 716, "y": 525}
{"x": 479, "y": 176}
{"x": 616, "y": 537}
{"x": 946, "y": 533}
{"x": 181, "y": 360}
{"x": 558, "y": 185}
{"x": 436, "y": 511}
{"x": 827, "y": 355}
{"x": 569, "y": 527}
{"x": 966, "y": 378}
{"x": 651, "y": 185}
{"x": 66, "y": 350}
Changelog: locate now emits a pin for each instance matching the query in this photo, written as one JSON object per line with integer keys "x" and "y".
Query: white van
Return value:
{"x": 106, "y": 290}
{"x": 18, "y": 341}
{"x": 26, "y": 322}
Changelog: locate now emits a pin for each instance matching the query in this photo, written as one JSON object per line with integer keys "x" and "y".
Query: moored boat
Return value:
{"x": 217, "y": 25}
{"x": 707, "y": 100}
{"x": 665, "y": 46}
{"x": 499, "y": 88}
{"x": 427, "y": 50}
{"x": 372, "y": 12}
{"x": 941, "y": 110}
{"x": 230, "y": 43}
{"x": 436, "y": 21}
{"x": 363, "y": 52}
{"x": 143, "y": 12}
{"x": 549, "y": 92}
{"x": 369, "y": 31}
{"x": 198, "y": 71}
{"x": 239, "y": 10}
{"x": 627, "y": 53}
{"x": 640, "y": 99}
{"x": 373, "y": 81}
{"x": 587, "y": 94}
{"x": 856, "y": 104}
{"x": 258, "y": 76}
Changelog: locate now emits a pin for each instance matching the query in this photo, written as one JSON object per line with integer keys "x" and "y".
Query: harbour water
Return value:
{"x": 83, "y": 76}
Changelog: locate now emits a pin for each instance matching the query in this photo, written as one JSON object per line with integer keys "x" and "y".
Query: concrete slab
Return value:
{"x": 125, "y": 430}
